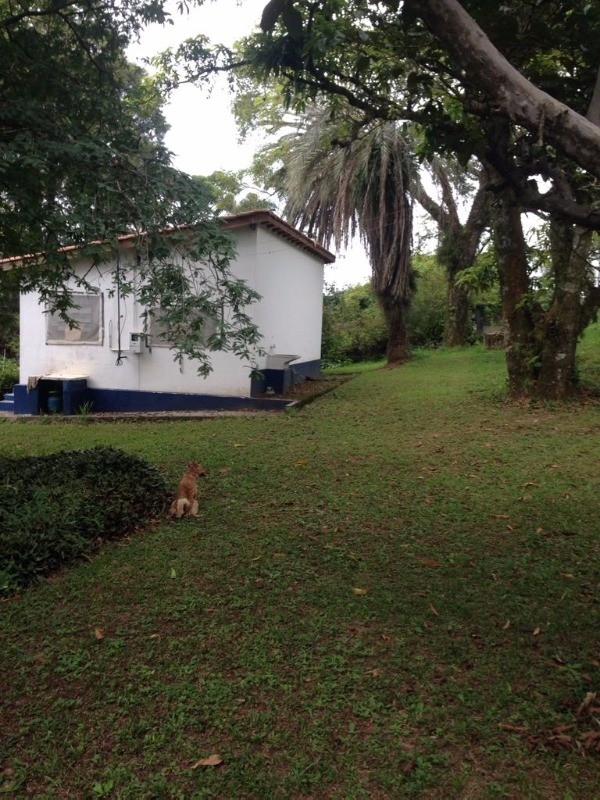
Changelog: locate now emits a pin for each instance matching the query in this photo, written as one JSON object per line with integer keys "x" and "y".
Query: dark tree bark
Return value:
{"x": 396, "y": 314}
{"x": 541, "y": 344}
{"x": 457, "y": 328}
{"x": 517, "y": 313}
{"x": 562, "y": 323}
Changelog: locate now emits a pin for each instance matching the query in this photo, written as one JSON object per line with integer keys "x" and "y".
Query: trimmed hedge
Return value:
{"x": 54, "y": 509}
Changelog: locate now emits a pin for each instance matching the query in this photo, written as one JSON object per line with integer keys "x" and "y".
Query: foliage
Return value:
{"x": 531, "y": 121}
{"x": 431, "y": 64}
{"x": 83, "y": 162}
{"x": 9, "y": 375}
{"x": 231, "y": 195}
{"x": 353, "y": 324}
{"x": 482, "y": 284}
{"x": 57, "y": 508}
{"x": 184, "y": 279}
{"x": 428, "y": 307}
{"x": 354, "y": 328}
{"x": 9, "y": 320}
{"x": 336, "y": 190}
{"x": 469, "y": 524}
{"x": 419, "y": 63}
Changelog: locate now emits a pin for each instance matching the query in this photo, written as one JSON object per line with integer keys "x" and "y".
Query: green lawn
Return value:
{"x": 390, "y": 593}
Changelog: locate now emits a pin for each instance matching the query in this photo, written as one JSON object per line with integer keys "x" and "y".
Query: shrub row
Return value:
{"x": 57, "y": 508}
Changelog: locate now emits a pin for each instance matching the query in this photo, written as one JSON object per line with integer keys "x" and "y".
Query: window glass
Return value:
{"x": 87, "y": 315}
{"x": 158, "y": 329}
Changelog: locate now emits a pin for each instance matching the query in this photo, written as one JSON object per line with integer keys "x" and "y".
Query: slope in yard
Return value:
{"x": 391, "y": 593}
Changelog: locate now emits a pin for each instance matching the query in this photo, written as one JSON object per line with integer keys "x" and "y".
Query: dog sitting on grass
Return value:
{"x": 185, "y": 503}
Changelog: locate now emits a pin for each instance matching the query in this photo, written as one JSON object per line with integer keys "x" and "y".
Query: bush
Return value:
{"x": 353, "y": 326}
{"x": 9, "y": 375}
{"x": 57, "y": 508}
{"x": 426, "y": 317}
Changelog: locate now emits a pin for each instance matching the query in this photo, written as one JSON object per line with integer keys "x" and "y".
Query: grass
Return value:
{"x": 391, "y": 593}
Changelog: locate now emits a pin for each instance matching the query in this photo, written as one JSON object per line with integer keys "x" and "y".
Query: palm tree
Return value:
{"x": 339, "y": 184}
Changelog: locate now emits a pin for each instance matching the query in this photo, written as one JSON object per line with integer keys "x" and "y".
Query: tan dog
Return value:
{"x": 185, "y": 503}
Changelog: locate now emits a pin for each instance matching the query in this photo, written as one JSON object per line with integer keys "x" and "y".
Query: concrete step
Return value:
{"x": 8, "y": 404}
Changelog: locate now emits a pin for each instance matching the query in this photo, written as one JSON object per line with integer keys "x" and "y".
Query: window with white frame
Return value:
{"x": 86, "y": 315}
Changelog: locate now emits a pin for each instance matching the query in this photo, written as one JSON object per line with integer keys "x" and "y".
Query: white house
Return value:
{"x": 111, "y": 363}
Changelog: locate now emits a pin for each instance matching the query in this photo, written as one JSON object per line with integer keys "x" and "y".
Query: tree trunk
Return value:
{"x": 457, "y": 328}
{"x": 517, "y": 312}
{"x": 515, "y": 96}
{"x": 457, "y": 249}
{"x": 540, "y": 344}
{"x": 454, "y": 255}
{"x": 563, "y": 322}
{"x": 396, "y": 314}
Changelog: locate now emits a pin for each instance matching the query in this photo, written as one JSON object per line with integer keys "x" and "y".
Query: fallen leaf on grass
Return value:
{"x": 562, "y": 740}
{"x": 374, "y": 672}
{"x": 429, "y": 562}
{"x": 563, "y": 728}
{"x": 210, "y": 761}
{"x": 433, "y": 609}
{"x": 589, "y": 738}
{"x": 530, "y": 483}
{"x": 536, "y": 632}
{"x": 587, "y": 702}
{"x": 301, "y": 463}
{"x": 506, "y": 625}
{"x": 500, "y": 516}
{"x": 99, "y": 634}
{"x": 566, "y": 575}
{"x": 359, "y": 592}
{"x": 506, "y": 726}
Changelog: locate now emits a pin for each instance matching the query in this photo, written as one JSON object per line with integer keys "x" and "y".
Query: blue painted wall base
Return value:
{"x": 73, "y": 394}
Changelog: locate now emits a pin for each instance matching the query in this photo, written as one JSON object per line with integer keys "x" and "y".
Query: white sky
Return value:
{"x": 203, "y": 135}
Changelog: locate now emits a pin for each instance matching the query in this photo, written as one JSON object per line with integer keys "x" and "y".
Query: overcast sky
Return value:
{"x": 203, "y": 136}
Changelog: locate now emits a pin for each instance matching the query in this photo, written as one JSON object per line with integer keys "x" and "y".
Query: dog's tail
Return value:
{"x": 179, "y": 507}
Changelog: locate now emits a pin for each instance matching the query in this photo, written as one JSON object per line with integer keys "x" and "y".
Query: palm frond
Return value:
{"x": 338, "y": 189}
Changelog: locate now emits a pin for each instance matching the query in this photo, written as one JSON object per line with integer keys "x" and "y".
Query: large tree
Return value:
{"x": 458, "y": 241}
{"x": 302, "y": 149}
{"x": 83, "y": 159}
{"x": 360, "y": 187}
{"x": 515, "y": 84}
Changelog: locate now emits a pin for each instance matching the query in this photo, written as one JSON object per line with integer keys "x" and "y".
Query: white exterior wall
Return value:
{"x": 291, "y": 283}
{"x": 288, "y": 316}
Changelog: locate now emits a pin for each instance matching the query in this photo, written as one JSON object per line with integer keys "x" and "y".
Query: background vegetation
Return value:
{"x": 354, "y": 327}
{"x": 393, "y": 593}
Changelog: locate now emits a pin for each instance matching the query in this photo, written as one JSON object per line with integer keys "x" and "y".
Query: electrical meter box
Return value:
{"x": 137, "y": 342}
